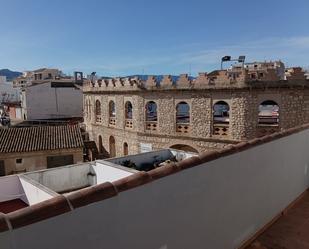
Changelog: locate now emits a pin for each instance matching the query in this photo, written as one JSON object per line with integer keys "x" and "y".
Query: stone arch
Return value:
{"x": 184, "y": 147}
{"x": 112, "y": 146}
{"x": 269, "y": 113}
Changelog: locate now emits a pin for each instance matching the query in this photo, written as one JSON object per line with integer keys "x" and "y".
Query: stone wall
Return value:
{"x": 244, "y": 108}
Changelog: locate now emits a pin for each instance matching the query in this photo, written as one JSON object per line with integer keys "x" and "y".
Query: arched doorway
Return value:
{"x": 100, "y": 145}
{"x": 184, "y": 147}
{"x": 125, "y": 149}
{"x": 112, "y": 147}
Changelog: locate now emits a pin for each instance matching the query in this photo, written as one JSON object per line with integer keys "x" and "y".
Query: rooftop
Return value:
{"x": 221, "y": 198}
{"x": 39, "y": 138}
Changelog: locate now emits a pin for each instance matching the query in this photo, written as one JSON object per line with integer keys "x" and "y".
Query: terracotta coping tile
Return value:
{"x": 132, "y": 181}
{"x": 92, "y": 194}
{"x": 207, "y": 156}
{"x": 3, "y": 224}
{"x": 164, "y": 171}
{"x": 190, "y": 162}
{"x": 38, "y": 212}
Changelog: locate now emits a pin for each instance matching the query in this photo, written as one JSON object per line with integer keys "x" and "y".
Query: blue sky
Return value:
{"x": 123, "y": 37}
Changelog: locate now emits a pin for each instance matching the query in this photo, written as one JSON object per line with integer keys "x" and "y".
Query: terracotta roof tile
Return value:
{"x": 40, "y": 138}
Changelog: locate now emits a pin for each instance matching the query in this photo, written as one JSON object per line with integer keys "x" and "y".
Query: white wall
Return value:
{"x": 63, "y": 178}
{"x": 108, "y": 173}
{"x": 7, "y": 92}
{"x": 10, "y": 188}
{"x": 216, "y": 205}
{"x": 44, "y": 102}
{"x": 34, "y": 193}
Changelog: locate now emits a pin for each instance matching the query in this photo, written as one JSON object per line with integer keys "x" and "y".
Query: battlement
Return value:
{"x": 235, "y": 77}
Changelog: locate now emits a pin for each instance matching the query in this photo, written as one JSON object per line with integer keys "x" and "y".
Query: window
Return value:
{"x": 128, "y": 114}
{"x": 151, "y": 112}
{"x": 221, "y": 113}
{"x": 268, "y": 113}
{"x": 183, "y": 117}
{"x": 19, "y": 160}
{"x": 183, "y": 113}
{"x": 112, "y": 113}
{"x": 221, "y": 118}
{"x": 151, "y": 116}
{"x": 128, "y": 110}
{"x": 98, "y": 111}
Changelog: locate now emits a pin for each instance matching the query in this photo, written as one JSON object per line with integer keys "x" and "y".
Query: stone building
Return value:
{"x": 39, "y": 147}
{"x": 129, "y": 115}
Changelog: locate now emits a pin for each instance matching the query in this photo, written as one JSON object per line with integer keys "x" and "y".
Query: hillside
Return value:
{"x": 10, "y": 75}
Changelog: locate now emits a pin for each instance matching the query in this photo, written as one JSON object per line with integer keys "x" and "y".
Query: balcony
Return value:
{"x": 151, "y": 125}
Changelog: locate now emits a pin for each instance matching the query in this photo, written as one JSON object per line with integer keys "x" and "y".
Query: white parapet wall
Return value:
{"x": 216, "y": 205}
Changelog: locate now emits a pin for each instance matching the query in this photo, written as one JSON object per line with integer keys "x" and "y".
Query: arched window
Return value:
{"x": 221, "y": 118}
{"x": 112, "y": 146}
{"x": 151, "y": 116}
{"x": 100, "y": 145}
{"x": 98, "y": 111}
{"x": 128, "y": 110}
{"x": 125, "y": 149}
{"x": 221, "y": 113}
{"x": 182, "y": 117}
{"x": 112, "y": 113}
{"x": 128, "y": 114}
{"x": 268, "y": 113}
{"x": 182, "y": 113}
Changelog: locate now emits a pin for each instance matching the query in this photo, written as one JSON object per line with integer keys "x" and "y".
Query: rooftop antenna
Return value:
{"x": 241, "y": 59}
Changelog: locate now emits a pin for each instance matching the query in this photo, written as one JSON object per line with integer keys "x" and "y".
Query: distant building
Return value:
{"x": 7, "y": 92}
{"x": 48, "y": 94}
{"x": 37, "y": 76}
{"x": 211, "y": 111}
{"x": 39, "y": 147}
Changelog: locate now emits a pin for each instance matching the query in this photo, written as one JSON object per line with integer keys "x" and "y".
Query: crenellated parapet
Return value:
{"x": 231, "y": 78}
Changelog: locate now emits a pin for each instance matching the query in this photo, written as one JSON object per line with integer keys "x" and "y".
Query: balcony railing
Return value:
{"x": 221, "y": 130}
{"x": 98, "y": 119}
{"x": 266, "y": 129}
{"x": 183, "y": 127}
{"x": 112, "y": 121}
{"x": 151, "y": 125}
{"x": 129, "y": 123}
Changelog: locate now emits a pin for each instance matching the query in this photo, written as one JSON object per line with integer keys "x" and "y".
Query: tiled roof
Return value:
{"x": 40, "y": 138}
{"x": 66, "y": 203}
